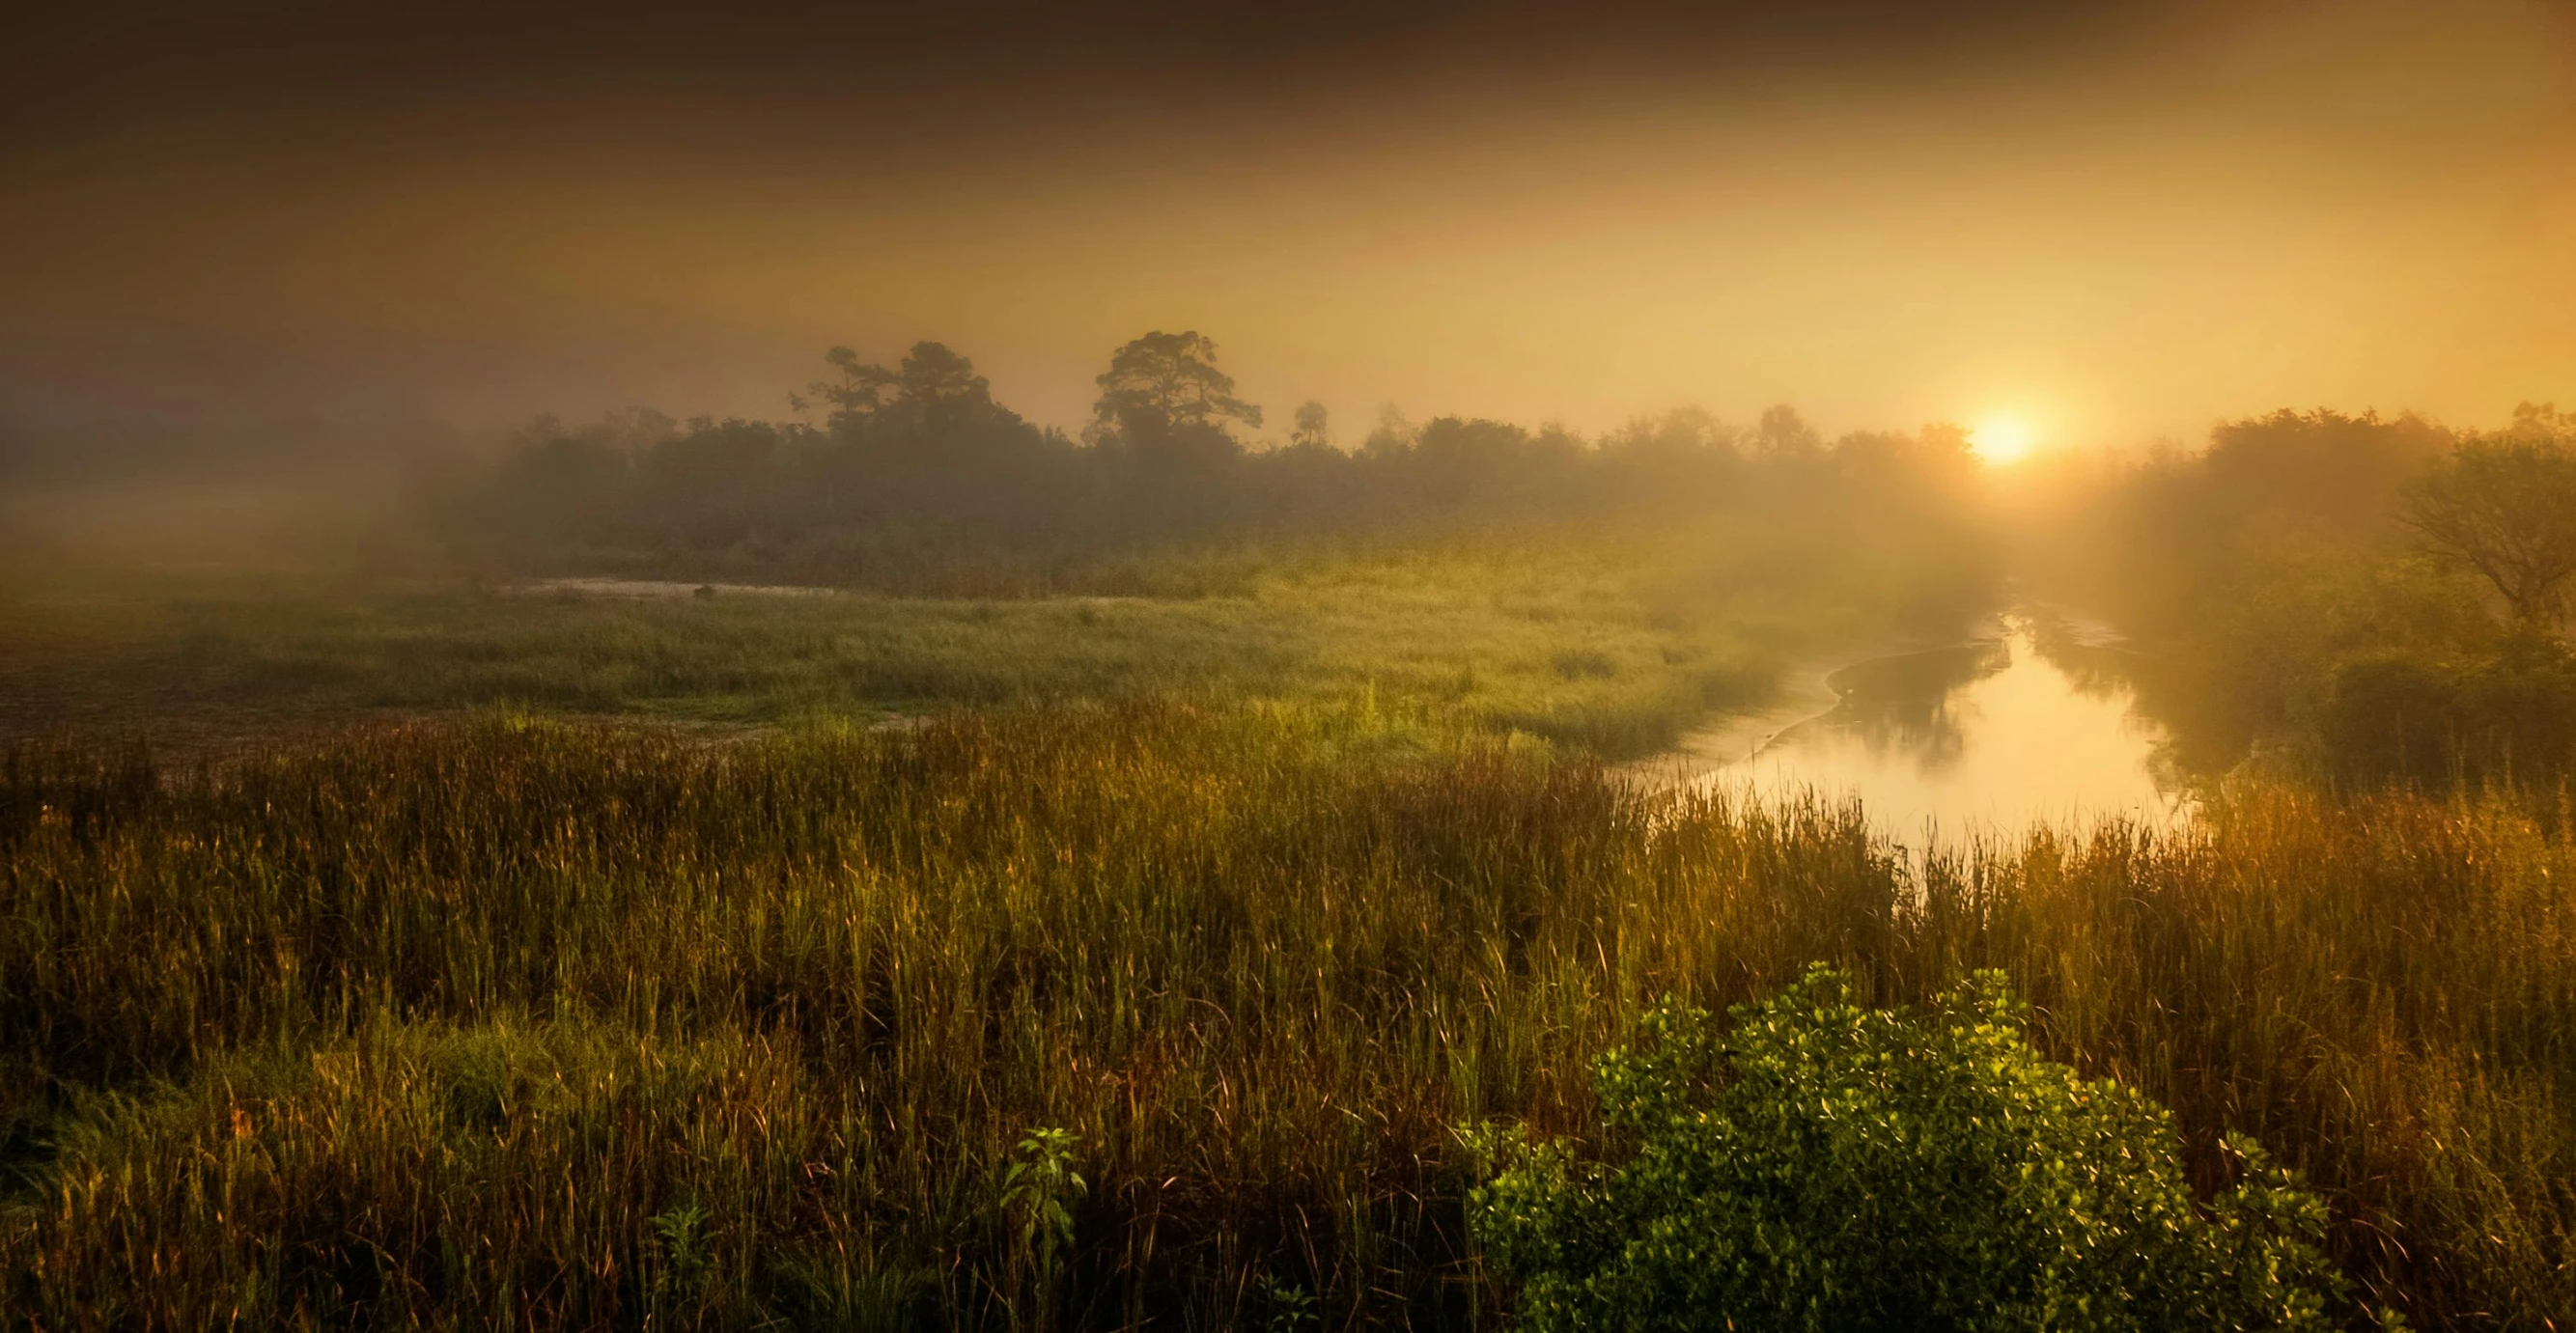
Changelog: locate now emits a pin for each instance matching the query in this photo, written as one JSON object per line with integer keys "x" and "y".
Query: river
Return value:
{"x": 1981, "y": 739}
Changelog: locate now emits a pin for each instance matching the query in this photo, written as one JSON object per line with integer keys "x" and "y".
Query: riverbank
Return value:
{"x": 1981, "y": 739}
{"x": 1803, "y": 693}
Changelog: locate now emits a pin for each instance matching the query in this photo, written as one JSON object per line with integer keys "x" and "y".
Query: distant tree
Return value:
{"x": 1394, "y": 436}
{"x": 1685, "y": 433}
{"x": 1454, "y": 458}
{"x": 857, "y": 391}
{"x": 1682, "y": 460}
{"x": 636, "y": 428}
{"x": 2325, "y": 472}
{"x": 1164, "y": 410}
{"x": 934, "y": 376}
{"x": 2542, "y": 421}
{"x": 1314, "y": 426}
{"x": 1939, "y": 451}
{"x": 923, "y": 441}
{"x": 2506, "y": 507}
{"x": 1784, "y": 435}
{"x": 1167, "y": 380}
{"x": 1944, "y": 445}
{"x": 562, "y": 480}
{"x": 931, "y": 377}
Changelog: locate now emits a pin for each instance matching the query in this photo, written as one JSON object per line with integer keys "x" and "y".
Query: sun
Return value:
{"x": 2001, "y": 440}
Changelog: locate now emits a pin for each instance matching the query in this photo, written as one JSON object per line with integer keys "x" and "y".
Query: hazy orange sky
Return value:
{"x": 2118, "y": 226}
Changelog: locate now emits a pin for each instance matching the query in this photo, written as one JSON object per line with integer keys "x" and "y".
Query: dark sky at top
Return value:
{"x": 84, "y": 68}
{"x": 915, "y": 79}
{"x": 2129, "y": 216}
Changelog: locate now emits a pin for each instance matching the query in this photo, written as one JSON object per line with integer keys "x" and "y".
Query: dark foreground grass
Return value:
{"x": 523, "y": 1026}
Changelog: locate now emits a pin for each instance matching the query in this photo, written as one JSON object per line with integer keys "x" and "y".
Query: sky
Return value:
{"x": 2113, "y": 221}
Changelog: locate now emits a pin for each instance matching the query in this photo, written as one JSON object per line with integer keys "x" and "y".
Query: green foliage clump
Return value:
{"x": 1859, "y": 1169}
{"x": 2434, "y": 719}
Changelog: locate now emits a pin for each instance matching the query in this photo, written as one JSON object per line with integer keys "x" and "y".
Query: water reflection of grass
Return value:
{"x": 1904, "y": 701}
{"x": 447, "y": 1025}
{"x": 1909, "y": 679}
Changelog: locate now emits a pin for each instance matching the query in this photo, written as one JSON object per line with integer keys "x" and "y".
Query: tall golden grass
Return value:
{"x": 512, "y": 1025}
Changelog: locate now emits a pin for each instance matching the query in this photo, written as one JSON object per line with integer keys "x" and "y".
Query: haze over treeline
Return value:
{"x": 2119, "y": 223}
{"x": 1041, "y": 666}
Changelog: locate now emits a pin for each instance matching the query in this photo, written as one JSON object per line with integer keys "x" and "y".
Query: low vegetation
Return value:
{"x": 913, "y": 479}
{"x": 2359, "y": 600}
{"x": 1826, "y": 1165}
{"x": 1123, "y": 881}
{"x": 1615, "y": 652}
{"x": 1082, "y": 1016}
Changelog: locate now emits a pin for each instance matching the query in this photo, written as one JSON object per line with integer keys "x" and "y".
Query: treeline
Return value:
{"x": 914, "y": 476}
{"x": 2365, "y": 598}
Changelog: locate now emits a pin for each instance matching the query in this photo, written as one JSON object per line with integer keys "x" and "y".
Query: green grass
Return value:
{"x": 1566, "y": 648}
{"x": 528, "y": 1025}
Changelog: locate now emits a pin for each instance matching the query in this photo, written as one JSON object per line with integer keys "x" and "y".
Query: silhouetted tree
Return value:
{"x": 919, "y": 478}
{"x": 1314, "y": 426}
{"x": 1167, "y": 380}
{"x": 1165, "y": 406}
{"x": 858, "y": 391}
{"x": 2323, "y": 471}
{"x": 2506, "y": 507}
{"x": 933, "y": 376}
{"x": 1938, "y": 454}
{"x": 1393, "y": 437}
{"x": 1455, "y": 459}
{"x": 2541, "y": 421}
{"x": 1684, "y": 436}
{"x": 1784, "y": 436}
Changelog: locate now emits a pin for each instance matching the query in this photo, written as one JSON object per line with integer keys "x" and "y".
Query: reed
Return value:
{"x": 516, "y": 1024}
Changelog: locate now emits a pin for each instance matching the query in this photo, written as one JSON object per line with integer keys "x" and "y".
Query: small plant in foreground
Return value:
{"x": 1038, "y": 1191}
{"x": 1828, "y": 1166}
{"x": 1292, "y": 1308}
{"x": 681, "y": 1233}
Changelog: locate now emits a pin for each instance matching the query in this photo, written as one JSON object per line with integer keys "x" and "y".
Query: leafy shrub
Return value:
{"x": 2434, "y": 720}
{"x": 1827, "y": 1166}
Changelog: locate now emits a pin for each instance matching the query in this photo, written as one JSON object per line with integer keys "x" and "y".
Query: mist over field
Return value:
{"x": 1856, "y": 666}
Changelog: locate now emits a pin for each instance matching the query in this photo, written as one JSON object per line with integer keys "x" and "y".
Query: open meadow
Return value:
{"x": 1547, "y": 642}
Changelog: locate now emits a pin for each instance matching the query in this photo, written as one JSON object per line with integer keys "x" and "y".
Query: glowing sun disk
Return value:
{"x": 2001, "y": 440}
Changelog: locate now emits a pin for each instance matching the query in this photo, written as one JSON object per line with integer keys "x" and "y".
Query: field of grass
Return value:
{"x": 486, "y": 1024}
{"x": 1547, "y": 644}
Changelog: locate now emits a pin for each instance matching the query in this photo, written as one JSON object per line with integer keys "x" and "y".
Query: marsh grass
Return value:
{"x": 532, "y": 1025}
{"x": 1552, "y": 644}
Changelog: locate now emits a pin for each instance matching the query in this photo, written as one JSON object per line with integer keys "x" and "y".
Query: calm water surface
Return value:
{"x": 1986, "y": 738}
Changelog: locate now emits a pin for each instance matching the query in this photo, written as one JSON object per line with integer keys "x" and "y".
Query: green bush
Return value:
{"x": 1828, "y": 1166}
{"x": 2442, "y": 720}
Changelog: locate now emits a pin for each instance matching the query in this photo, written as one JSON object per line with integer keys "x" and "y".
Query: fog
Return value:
{"x": 1427, "y": 665}
{"x": 2116, "y": 228}
{"x": 1907, "y": 311}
